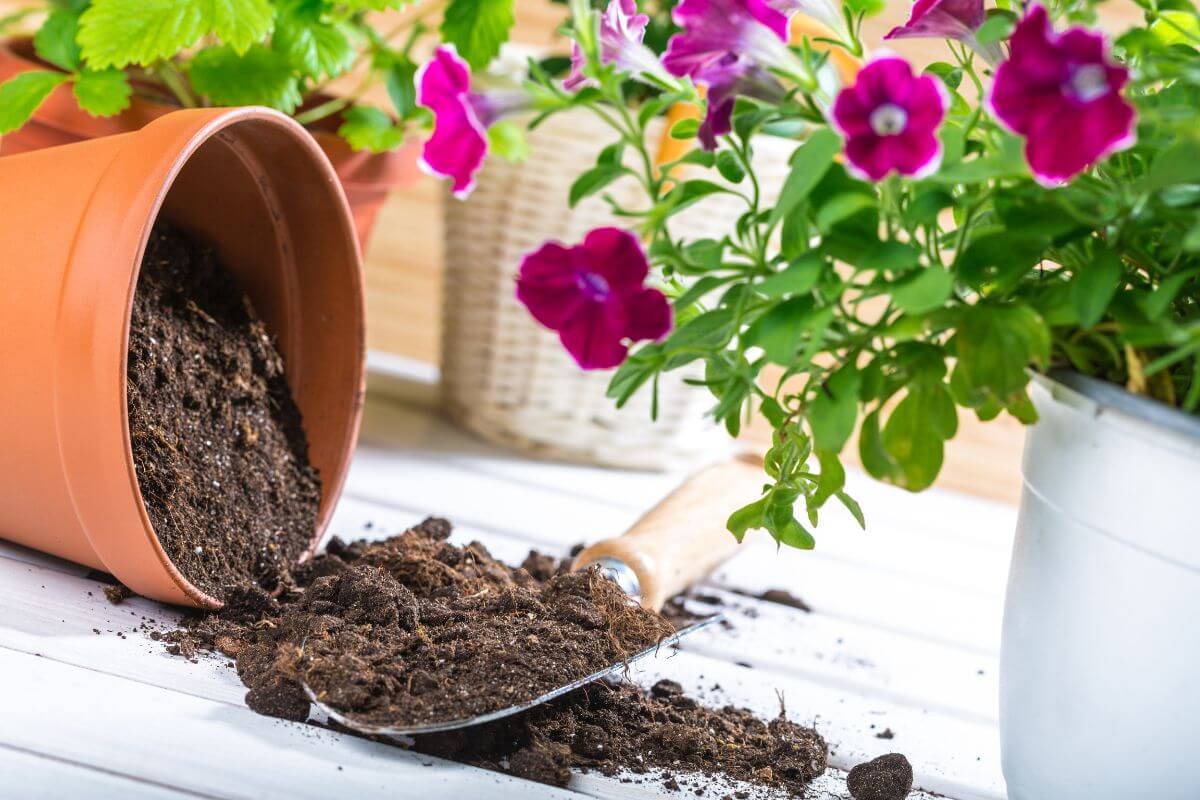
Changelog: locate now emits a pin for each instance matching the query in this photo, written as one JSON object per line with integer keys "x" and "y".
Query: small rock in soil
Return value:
{"x": 888, "y": 777}
{"x": 117, "y": 593}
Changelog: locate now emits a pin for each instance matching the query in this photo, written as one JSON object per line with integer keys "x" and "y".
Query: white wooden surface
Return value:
{"x": 903, "y": 635}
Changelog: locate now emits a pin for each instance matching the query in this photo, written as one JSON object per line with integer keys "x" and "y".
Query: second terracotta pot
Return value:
{"x": 366, "y": 177}
{"x": 74, "y": 222}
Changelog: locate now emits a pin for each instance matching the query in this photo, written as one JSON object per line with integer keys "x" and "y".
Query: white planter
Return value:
{"x": 1100, "y": 665}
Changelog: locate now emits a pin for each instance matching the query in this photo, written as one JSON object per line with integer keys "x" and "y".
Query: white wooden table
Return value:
{"x": 903, "y": 636}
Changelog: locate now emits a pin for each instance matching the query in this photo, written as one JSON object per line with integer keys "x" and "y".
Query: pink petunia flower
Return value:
{"x": 949, "y": 19}
{"x": 727, "y": 46}
{"x": 459, "y": 143}
{"x": 593, "y": 295}
{"x": 622, "y": 30}
{"x": 890, "y": 119}
{"x": 1062, "y": 92}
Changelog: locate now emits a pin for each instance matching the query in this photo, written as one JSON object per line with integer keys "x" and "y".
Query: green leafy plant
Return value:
{"x": 882, "y": 304}
{"x": 277, "y": 53}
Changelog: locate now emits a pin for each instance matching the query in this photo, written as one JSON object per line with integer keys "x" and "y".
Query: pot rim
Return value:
{"x": 1098, "y": 397}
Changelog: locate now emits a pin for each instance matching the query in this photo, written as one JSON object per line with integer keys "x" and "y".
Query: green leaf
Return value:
{"x": 685, "y": 129}
{"x": 102, "y": 93}
{"x": 507, "y": 140}
{"x": 916, "y": 432}
{"x": 834, "y": 410}
{"x": 257, "y": 77}
{"x": 923, "y": 290}
{"x": 994, "y": 346}
{"x": 117, "y": 33}
{"x": 55, "y": 40}
{"x": 831, "y": 480}
{"x": 854, "y": 508}
{"x": 809, "y": 164}
{"x": 1094, "y": 285}
{"x": 318, "y": 49}
{"x": 369, "y": 128}
{"x": 708, "y": 331}
{"x": 642, "y": 365}
{"x": 689, "y": 193}
{"x": 875, "y": 458}
{"x": 841, "y": 207}
{"x": 925, "y": 207}
{"x": 399, "y": 81}
{"x": 997, "y": 27}
{"x": 477, "y": 28}
{"x": 868, "y": 8}
{"x": 20, "y": 96}
{"x": 747, "y": 518}
{"x": 799, "y": 278}
{"x": 1179, "y": 163}
{"x": 779, "y": 331}
{"x": 239, "y": 23}
{"x": 948, "y": 73}
{"x": 593, "y": 181}
{"x": 730, "y": 167}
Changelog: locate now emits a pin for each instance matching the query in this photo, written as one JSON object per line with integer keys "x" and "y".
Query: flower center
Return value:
{"x": 593, "y": 286}
{"x": 1088, "y": 82}
{"x": 889, "y": 119}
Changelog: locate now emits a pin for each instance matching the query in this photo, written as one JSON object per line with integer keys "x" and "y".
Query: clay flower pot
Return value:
{"x": 366, "y": 177}
{"x": 74, "y": 222}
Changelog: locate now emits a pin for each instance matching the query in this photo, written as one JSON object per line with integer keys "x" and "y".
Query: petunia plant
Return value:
{"x": 280, "y": 53}
{"x": 1030, "y": 203}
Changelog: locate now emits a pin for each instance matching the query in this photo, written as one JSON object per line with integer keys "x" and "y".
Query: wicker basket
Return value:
{"x": 507, "y": 378}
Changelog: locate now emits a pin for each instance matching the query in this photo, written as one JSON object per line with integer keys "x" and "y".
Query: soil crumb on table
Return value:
{"x": 888, "y": 777}
{"x": 413, "y": 628}
{"x": 221, "y": 458}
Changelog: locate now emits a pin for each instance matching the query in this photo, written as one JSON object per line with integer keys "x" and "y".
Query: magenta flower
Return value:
{"x": 727, "y": 46}
{"x": 1063, "y": 94}
{"x": 890, "y": 120}
{"x": 621, "y": 32}
{"x": 593, "y": 295}
{"x": 459, "y": 143}
{"x": 948, "y": 19}
{"x": 712, "y": 29}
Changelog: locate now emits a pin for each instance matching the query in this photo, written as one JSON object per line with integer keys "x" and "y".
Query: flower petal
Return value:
{"x": 1079, "y": 136}
{"x": 459, "y": 144}
{"x": 593, "y": 335}
{"x": 649, "y": 315}
{"x": 616, "y": 255}
{"x": 547, "y": 286}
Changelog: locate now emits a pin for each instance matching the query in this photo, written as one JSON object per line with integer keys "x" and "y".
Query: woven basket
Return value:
{"x": 510, "y": 380}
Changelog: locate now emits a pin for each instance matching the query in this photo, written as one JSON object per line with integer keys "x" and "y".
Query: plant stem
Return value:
{"x": 174, "y": 80}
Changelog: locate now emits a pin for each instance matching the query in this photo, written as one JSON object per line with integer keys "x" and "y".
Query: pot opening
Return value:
{"x": 266, "y": 203}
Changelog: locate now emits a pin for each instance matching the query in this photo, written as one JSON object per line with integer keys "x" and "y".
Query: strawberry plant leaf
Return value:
{"x": 239, "y": 23}
{"x": 477, "y": 28}
{"x": 369, "y": 128}
{"x": 317, "y": 49}
{"x": 55, "y": 40}
{"x": 21, "y": 96}
{"x": 257, "y": 77}
{"x": 117, "y": 33}
{"x": 102, "y": 93}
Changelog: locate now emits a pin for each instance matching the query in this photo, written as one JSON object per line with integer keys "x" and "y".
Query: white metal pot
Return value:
{"x": 1100, "y": 665}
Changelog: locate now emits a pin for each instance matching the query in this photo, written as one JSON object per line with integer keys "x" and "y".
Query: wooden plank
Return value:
{"x": 216, "y": 749}
{"x": 35, "y": 776}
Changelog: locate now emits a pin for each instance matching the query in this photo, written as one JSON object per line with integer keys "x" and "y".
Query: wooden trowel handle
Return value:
{"x": 684, "y": 537}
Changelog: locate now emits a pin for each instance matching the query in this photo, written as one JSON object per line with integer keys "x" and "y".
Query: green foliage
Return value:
{"x": 367, "y": 128}
{"x": 20, "y": 96}
{"x": 277, "y": 53}
{"x": 258, "y": 76}
{"x": 477, "y": 28}
{"x": 886, "y": 308}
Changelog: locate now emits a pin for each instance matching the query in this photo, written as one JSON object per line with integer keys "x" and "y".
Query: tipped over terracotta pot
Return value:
{"x": 366, "y": 177}
{"x": 74, "y": 222}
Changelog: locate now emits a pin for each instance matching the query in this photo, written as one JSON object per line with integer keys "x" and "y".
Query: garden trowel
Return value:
{"x": 679, "y": 541}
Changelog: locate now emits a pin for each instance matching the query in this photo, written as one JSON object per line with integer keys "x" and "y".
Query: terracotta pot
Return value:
{"x": 366, "y": 177}
{"x": 74, "y": 221}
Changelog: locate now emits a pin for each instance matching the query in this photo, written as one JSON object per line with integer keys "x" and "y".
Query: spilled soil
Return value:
{"x": 412, "y": 629}
{"x": 221, "y": 459}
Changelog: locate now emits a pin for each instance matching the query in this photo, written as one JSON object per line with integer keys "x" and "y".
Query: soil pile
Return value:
{"x": 888, "y": 777}
{"x": 612, "y": 728}
{"x": 220, "y": 455}
{"x": 412, "y": 629}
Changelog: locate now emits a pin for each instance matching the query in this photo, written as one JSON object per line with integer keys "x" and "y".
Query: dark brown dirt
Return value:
{"x": 888, "y": 777}
{"x": 612, "y": 728}
{"x": 785, "y": 598}
{"x": 413, "y": 629}
{"x": 220, "y": 454}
